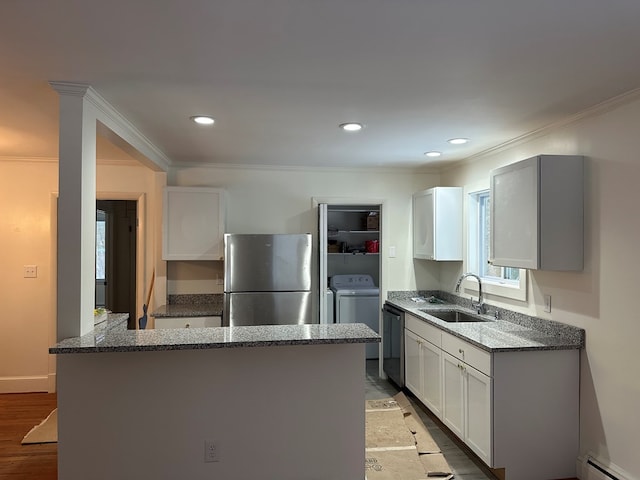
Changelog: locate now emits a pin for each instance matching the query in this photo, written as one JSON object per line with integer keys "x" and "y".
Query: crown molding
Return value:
{"x": 115, "y": 127}
{"x": 594, "y": 111}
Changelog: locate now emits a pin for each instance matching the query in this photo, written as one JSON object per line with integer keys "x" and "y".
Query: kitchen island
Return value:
{"x": 280, "y": 402}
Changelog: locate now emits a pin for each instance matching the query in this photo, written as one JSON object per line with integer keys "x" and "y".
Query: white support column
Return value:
{"x": 76, "y": 211}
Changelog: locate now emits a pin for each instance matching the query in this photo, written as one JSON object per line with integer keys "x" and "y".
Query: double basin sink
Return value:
{"x": 453, "y": 316}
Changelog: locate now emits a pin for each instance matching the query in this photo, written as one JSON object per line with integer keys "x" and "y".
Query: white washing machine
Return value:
{"x": 357, "y": 300}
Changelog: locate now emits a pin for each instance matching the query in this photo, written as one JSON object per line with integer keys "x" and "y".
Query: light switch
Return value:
{"x": 392, "y": 252}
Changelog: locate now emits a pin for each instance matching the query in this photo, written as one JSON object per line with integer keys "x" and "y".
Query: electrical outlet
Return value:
{"x": 547, "y": 303}
{"x": 211, "y": 452}
{"x": 30, "y": 271}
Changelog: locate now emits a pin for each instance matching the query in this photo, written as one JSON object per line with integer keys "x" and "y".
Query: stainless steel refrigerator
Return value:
{"x": 267, "y": 279}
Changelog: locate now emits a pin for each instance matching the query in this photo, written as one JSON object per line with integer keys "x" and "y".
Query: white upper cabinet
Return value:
{"x": 537, "y": 213}
{"x": 193, "y": 223}
{"x": 437, "y": 224}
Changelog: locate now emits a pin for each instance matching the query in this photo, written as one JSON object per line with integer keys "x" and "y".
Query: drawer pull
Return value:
{"x": 187, "y": 325}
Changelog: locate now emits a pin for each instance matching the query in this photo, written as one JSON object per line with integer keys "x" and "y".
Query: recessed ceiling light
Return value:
{"x": 351, "y": 126}
{"x": 433, "y": 154}
{"x": 458, "y": 141}
{"x": 203, "y": 119}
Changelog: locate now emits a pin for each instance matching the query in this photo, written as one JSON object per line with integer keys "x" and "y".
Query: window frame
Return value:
{"x": 494, "y": 286}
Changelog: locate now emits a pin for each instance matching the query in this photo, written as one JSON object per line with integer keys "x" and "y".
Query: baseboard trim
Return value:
{"x": 39, "y": 383}
{"x": 52, "y": 383}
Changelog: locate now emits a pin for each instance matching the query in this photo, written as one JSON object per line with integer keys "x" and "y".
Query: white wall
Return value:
{"x": 602, "y": 299}
{"x": 279, "y": 200}
{"x": 28, "y": 192}
{"x": 275, "y": 413}
{"x": 27, "y": 316}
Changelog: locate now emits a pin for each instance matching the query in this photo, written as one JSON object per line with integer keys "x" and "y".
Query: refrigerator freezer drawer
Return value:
{"x": 267, "y": 308}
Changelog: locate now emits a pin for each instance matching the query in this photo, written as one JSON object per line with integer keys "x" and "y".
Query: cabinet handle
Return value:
{"x": 461, "y": 351}
{"x": 187, "y": 325}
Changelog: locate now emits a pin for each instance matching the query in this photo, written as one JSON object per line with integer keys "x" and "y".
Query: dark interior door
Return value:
{"x": 119, "y": 256}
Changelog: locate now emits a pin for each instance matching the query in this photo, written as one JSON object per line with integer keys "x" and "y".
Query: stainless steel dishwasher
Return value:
{"x": 393, "y": 343}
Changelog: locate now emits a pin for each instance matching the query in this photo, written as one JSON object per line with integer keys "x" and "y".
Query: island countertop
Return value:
{"x": 122, "y": 340}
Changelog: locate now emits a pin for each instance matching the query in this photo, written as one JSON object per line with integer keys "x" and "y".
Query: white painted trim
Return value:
{"x": 53, "y": 382}
{"x": 581, "y": 463}
{"x": 53, "y": 315}
{"x": 302, "y": 168}
{"x": 27, "y": 384}
{"x": 593, "y": 111}
{"x": 115, "y": 127}
{"x": 315, "y": 201}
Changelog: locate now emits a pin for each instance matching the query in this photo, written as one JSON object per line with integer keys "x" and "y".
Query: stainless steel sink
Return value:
{"x": 452, "y": 316}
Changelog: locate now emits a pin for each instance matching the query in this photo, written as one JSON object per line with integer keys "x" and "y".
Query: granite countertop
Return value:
{"x": 191, "y": 305}
{"x": 513, "y": 332}
{"x": 113, "y": 320}
{"x": 188, "y": 310}
{"x": 123, "y": 340}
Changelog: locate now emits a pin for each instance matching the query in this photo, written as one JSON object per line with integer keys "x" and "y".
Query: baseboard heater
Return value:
{"x": 593, "y": 470}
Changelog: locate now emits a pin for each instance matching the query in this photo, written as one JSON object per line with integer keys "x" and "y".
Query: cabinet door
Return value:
{"x": 423, "y": 220}
{"x": 452, "y": 394}
{"x": 437, "y": 224}
{"x": 431, "y": 377}
{"x": 412, "y": 364}
{"x": 193, "y": 223}
{"x": 514, "y": 215}
{"x": 478, "y": 419}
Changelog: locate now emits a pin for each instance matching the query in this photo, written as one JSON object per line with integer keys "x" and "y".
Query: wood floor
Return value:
{"x": 19, "y": 413}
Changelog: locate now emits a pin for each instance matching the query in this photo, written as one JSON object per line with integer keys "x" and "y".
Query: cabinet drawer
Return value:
{"x": 187, "y": 322}
{"x": 423, "y": 329}
{"x": 470, "y": 354}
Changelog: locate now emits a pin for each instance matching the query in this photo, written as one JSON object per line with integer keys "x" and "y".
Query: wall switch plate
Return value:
{"x": 392, "y": 252}
{"x": 211, "y": 452}
{"x": 30, "y": 271}
{"x": 547, "y": 303}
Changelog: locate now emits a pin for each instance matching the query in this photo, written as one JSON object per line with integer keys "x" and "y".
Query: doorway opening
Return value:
{"x": 349, "y": 245}
{"x": 116, "y": 246}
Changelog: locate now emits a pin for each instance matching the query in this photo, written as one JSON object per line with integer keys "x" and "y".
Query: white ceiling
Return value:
{"x": 280, "y": 75}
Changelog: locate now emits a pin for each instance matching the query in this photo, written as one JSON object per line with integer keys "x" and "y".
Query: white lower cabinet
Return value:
{"x": 466, "y": 404}
{"x": 511, "y": 408}
{"x": 188, "y": 322}
{"x": 423, "y": 362}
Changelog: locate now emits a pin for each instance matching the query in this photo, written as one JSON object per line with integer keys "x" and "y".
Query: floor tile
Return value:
{"x": 464, "y": 468}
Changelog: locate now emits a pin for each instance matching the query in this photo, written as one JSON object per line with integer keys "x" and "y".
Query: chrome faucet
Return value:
{"x": 479, "y": 305}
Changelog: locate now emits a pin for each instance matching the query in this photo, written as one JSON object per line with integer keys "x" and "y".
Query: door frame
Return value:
{"x": 321, "y": 298}
{"x": 140, "y": 199}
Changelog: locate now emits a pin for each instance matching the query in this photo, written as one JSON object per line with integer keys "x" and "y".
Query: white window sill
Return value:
{"x": 498, "y": 289}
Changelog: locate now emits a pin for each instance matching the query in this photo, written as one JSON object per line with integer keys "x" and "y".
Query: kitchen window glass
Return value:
{"x": 501, "y": 281}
